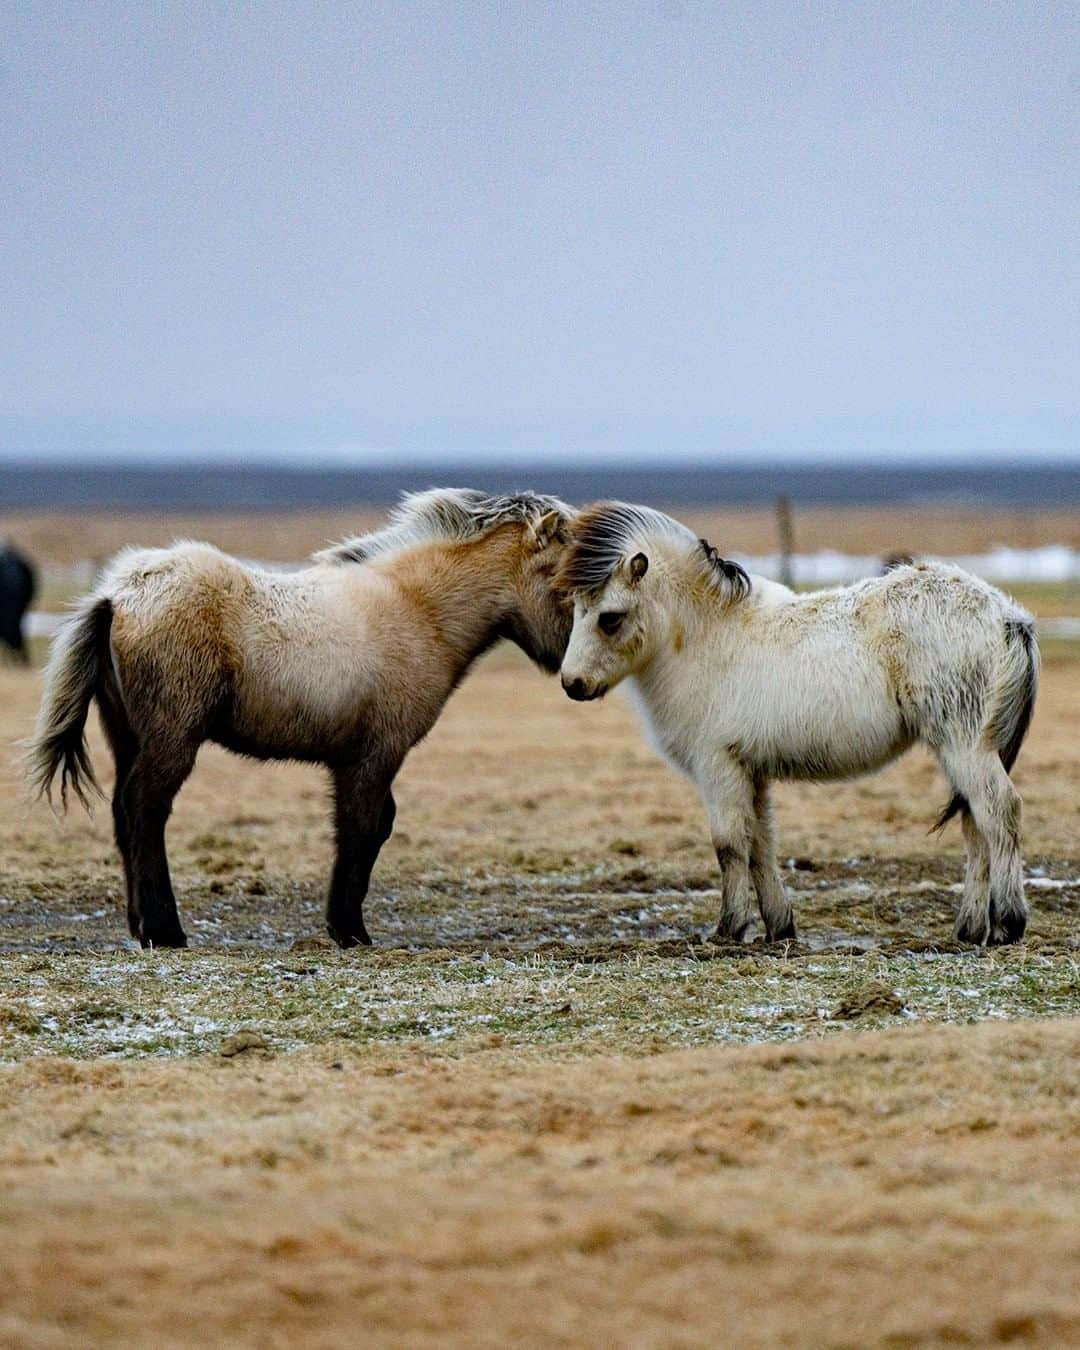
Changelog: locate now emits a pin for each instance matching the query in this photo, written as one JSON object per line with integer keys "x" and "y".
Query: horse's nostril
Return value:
{"x": 575, "y": 688}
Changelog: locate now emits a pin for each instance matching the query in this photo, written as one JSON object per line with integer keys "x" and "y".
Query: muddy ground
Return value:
{"x": 545, "y": 1108}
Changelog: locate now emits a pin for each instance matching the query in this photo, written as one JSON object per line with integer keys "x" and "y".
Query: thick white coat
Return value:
{"x": 737, "y": 689}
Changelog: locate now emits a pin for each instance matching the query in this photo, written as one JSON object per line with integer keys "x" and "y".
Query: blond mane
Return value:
{"x": 443, "y": 513}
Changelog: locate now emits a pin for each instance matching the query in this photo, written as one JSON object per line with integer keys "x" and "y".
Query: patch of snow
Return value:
{"x": 829, "y": 567}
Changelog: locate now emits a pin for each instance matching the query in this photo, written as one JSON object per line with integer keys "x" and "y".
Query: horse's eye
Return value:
{"x": 610, "y": 622}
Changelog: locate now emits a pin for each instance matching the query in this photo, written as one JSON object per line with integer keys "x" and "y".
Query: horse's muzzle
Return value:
{"x": 580, "y": 692}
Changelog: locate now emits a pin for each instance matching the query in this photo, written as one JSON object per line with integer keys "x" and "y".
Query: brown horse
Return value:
{"x": 347, "y": 662}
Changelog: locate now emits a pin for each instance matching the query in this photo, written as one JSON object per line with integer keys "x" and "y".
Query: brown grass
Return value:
{"x": 62, "y": 537}
{"x": 897, "y": 1189}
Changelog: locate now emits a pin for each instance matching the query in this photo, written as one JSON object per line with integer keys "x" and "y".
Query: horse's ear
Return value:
{"x": 733, "y": 578}
{"x": 639, "y": 565}
{"x": 548, "y": 529}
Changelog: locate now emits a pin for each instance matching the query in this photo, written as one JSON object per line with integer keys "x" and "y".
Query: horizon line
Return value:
{"x": 714, "y": 461}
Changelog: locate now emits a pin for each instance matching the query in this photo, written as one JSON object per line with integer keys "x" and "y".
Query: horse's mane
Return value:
{"x": 444, "y": 513}
{"x": 606, "y": 534}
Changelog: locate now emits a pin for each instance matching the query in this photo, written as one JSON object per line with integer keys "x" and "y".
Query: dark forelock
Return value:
{"x": 599, "y": 540}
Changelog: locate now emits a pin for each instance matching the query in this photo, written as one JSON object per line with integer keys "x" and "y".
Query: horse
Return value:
{"x": 741, "y": 681}
{"x": 346, "y": 662}
{"x": 18, "y": 583}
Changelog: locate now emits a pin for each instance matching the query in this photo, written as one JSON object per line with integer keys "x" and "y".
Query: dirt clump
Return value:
{"x": 240, "y": 1042}
{"x": 871, "y": 997}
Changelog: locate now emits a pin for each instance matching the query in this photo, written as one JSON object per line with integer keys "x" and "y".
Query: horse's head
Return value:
{"x": 539, "y": 622}
{"x": 612, "y": 631}
{"x": 606, "y": 571}
{"x": 512, "y": 546}
{"x": 630, "y": 571}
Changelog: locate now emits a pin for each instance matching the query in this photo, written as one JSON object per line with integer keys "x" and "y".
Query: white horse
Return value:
{"x": 741, "y": 681}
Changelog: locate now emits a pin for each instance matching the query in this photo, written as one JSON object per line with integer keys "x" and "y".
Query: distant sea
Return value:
{"x": 258, "y": 487}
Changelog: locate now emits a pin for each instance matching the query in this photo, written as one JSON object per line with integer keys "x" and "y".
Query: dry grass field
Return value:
{"x": 545, "y": 1109}
{"x": 63, "y": 538}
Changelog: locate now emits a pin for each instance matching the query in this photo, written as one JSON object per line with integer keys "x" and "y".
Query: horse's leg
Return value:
{"x": 146, "y": 797}
{"x": 122, "y": 832}
{"x": 998, "y": 912}
{"x": 971, "y": 918}
{"x": 1008, "y": 904}
{"x": 773, "y": 901}
{"x": 729, "y": 800}
{"x": 124, "y": 749}
{"x": 364, "y": 818}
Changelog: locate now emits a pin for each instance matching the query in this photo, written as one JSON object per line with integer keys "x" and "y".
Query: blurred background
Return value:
{"x": 805, "y": 274}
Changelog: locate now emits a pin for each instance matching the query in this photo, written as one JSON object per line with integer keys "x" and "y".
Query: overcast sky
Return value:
{"x": 503, "y": 229}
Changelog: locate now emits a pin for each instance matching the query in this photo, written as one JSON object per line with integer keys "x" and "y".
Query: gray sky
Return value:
{"x": 520, "y": 229}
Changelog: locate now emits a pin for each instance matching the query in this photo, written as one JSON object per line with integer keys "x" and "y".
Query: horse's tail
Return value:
{"x": 1013, "y": 701}
{"x": 72, "y": 678}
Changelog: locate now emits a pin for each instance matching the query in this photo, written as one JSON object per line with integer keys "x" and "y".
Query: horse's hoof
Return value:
{"x": 1007, "y": 928}
{"x": 345, "y": 940}
{"x": 974, "y": 931}
{"x": 172, "y": 937}
{"x": 786, "y": 933}
{"x": 731, "y": 932}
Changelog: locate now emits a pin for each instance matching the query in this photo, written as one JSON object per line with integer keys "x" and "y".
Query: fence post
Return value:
{"x": 787, "y": 539}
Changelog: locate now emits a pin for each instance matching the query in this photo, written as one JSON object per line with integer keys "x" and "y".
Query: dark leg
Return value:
{"x": 122, "y": 831}
{"x": 364, "y": 818}
{"x": 124, "y": 748}
{"x": 146, "y": 799}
